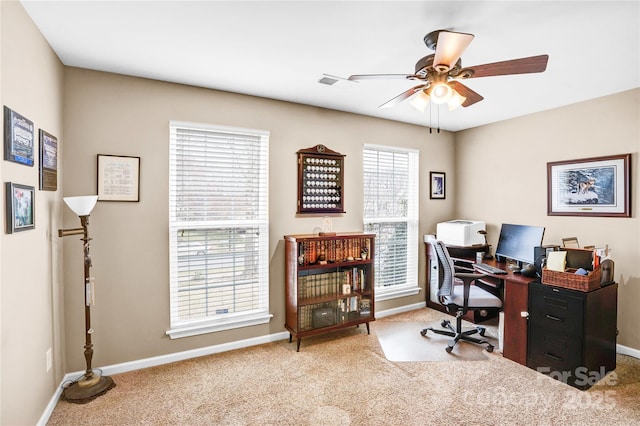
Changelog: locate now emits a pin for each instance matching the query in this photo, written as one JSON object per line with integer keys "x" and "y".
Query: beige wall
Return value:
{"x": 114, "y": 114}
{"x": 30, "y": 277}
{"x": 509, "y": 159}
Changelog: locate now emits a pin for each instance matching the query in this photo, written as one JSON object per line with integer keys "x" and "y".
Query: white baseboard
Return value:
{"x": 401, "y": 309}
{"x": 625, "y": 350}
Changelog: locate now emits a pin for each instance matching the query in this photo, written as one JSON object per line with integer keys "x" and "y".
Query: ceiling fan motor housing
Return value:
{"x": 425, "y": 65}
{"x": 431, "y": 39}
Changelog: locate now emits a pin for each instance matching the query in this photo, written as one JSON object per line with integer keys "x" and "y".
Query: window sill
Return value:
{"x": 394, "y": 293}
{"x": 218, "y": 325}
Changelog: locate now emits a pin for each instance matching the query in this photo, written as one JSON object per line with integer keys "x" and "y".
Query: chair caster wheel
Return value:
{"x": 481, "y": 331}
{"x": 444, "y": 323}
{"x": 490, "y": 348}
{"x": 423, "y": 332}
{"x": 448, "y": 349}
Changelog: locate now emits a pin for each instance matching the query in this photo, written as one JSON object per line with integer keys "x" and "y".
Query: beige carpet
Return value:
{"x": 401, "y": 341}
{"x": 344, "y": 378}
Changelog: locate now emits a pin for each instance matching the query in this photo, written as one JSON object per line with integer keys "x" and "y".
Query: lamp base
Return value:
{"x": 84, "y": 391}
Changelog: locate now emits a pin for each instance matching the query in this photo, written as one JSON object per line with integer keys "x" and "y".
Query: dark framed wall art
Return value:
{"x": 48, "y": 162}
{"x": 598, "y": 186}
{"x": 20, "y": 207}
{"x": 18, "y": 138}
{"x": 118, "y": 178}
{"x": 320, "y": 180}
{"x": 437, "y": 185}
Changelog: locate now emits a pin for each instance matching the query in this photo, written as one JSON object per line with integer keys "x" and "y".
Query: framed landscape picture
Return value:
{"x": 596, "y": 186}
{"x": 20, "y": 205}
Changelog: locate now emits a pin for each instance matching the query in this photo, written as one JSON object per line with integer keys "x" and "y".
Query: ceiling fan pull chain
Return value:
{"x": 430, "y": 120}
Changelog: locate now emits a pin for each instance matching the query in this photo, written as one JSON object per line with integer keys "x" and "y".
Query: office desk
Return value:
{"x": 515, "y": 306}
{"x": 512, "y": 288}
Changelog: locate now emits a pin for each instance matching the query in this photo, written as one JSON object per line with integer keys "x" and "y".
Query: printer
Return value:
{"x": 461, "y": 232}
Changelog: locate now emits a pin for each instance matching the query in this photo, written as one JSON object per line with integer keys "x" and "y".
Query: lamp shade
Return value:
{"x": 420, "y": 101}
{"x": 456, "y": 100}
{"x": 441, "y": 93}
{"x": 82, "y": 205}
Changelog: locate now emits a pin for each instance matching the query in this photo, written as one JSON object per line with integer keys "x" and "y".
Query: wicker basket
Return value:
{"x": 569, "y": 279}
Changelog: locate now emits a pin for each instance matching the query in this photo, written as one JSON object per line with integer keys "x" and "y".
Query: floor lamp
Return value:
{"x": 90, "y": 385}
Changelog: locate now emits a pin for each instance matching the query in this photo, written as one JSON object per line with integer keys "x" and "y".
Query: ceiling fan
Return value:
{"x": 440, "y": 73}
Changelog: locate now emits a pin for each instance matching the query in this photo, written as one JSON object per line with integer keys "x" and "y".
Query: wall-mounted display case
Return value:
{"x": 320, "y": 180}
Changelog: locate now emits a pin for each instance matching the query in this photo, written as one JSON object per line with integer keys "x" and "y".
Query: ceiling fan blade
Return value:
{"x": 380, "y": 76}
{"x": 532, "y": 64}
{"x": 472, "y": 97}
{"x": 402, "y": 96}
{"x": 449, "y": 47}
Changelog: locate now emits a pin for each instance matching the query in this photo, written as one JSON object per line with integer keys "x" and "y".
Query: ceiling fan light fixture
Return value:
{"x": 441, "y": 93}
{"x": 456, "y": 100}
{"x": 420, "y": 101}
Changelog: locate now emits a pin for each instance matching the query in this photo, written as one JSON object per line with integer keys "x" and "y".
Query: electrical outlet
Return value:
{"x": 49, "y": 359}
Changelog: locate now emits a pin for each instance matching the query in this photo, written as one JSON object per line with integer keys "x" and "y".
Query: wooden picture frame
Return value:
{"x": 437, "y": 185}
{"x": 570, "y": 242}
{"x": 118, "y": 178}
{"x": 48, "y": 161}
{"x": 20, "y": 207}
{"x": 597, "y": 186}
{"x": 18, "y": 138}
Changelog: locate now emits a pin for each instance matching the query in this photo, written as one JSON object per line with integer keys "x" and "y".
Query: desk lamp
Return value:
{"x": 91, "y": 385}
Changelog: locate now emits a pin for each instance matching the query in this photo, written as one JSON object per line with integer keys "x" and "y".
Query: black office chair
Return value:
{"x": 458, "y": 295}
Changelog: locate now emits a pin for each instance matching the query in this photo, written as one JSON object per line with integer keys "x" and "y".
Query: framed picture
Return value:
{"x": 596, "y": 186}
{"x": 570, "y": 242}
{"x": 118, "y": 178}
{"x": 48, "y": 162}
{"x": 437, "y": 185}
{"x": 20, "y": 204}
{"x": 18, "y": 138}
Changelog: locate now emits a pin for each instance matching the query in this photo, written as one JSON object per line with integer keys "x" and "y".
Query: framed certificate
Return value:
{"x": 118, "y": 178}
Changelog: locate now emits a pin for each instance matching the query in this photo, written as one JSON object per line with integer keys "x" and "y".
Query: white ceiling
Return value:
{"x": 280, "y": 49}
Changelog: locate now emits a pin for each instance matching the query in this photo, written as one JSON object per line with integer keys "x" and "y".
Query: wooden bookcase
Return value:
{"x": 329, "y": 283}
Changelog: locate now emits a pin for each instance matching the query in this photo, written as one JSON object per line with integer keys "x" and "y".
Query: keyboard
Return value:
{"x": 490, "y": 269}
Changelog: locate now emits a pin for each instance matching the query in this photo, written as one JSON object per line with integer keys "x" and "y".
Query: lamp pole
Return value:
{"x": 90, "y": 385}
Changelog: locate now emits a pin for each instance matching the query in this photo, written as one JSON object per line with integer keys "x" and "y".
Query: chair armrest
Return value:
{"x": 468, "y": 275}
{"x": 467, "y": 279}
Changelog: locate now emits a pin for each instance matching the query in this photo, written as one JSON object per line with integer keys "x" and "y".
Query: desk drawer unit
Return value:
{"x": 558, "y": 311}
{"x": 557, "y": 351}
{"x": 572, "y": 334}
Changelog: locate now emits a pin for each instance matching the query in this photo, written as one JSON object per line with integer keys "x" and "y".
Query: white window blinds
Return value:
{"x": 218, "y": 228}
{"x": 391, "y": 212}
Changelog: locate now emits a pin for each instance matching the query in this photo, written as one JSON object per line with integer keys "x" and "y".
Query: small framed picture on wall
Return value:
{"x": 20, "y": 205}
{"x": 118, "y": 178}
{"x": 437, "y": 185}
{"x": 48, "y": 161}
{"x": 18, "y": 138}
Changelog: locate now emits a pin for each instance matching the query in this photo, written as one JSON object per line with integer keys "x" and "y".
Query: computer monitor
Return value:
{"x": 517, "y": 242}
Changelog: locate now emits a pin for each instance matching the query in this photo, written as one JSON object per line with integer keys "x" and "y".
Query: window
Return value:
{"x": 391, "y": 212}
{"x": 218, "y": 228}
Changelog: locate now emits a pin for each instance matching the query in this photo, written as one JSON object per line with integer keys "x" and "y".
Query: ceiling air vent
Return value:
{"x": 332, "y": 80}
